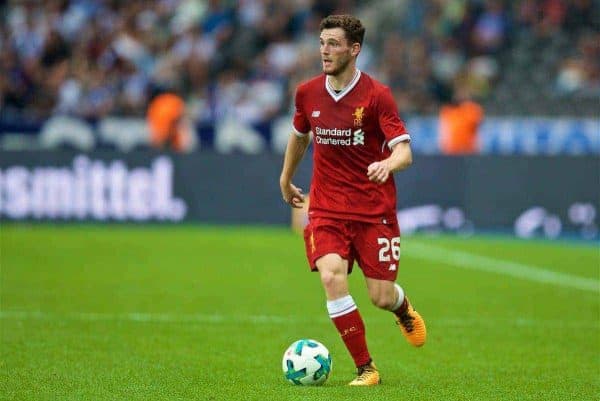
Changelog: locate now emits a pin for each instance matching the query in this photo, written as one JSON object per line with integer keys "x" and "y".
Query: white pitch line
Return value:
{"x": 165, "y": 318}
{"x": 150, "y": 317}
{"x": 471, "y": 261}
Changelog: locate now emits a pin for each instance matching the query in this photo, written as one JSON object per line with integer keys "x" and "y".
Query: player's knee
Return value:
{"x": 330, "y": 279}
{"x": 331, "y": 268}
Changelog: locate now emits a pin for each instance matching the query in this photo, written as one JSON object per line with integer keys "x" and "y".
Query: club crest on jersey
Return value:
{"x": 358, "y": 115}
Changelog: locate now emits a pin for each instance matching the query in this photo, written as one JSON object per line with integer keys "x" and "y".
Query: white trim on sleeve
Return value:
{"x": 398, "y": 139}
{"x": 298, "y": 133}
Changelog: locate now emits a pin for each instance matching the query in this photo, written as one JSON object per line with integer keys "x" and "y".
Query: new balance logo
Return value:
{"x": 359, "y": 137}
{"x": 316, "y": 113}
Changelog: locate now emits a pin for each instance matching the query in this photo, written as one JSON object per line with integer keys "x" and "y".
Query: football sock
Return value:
{"x": 349, "y": 323}
{"x": 401, "y": 304}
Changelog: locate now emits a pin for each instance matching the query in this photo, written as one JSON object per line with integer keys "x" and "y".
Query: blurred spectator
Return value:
{"x": 491, "y": 28}
{"x": 459, "y": 122}
{"x": 169, "y": 125}
{"x": 580, "y": 74}
{"x": 542, "y": 17}
{"x": 582, "y": 15}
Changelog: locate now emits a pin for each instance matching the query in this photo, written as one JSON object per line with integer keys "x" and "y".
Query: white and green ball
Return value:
{"x": 306, "y": 362}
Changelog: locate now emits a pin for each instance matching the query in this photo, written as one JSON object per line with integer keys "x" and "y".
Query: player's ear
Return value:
{"x": 355, "y": 49}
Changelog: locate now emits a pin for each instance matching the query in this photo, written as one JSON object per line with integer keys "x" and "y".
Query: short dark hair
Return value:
{"x": 353, "y": 28}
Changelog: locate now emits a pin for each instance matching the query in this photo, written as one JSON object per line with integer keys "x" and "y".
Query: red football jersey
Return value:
{"x": 351, "y": 129}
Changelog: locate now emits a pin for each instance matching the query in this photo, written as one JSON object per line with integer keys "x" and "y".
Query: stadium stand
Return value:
{"x": 242, "y": 59}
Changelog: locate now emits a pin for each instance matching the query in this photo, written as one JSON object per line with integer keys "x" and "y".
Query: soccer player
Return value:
{"x": 359, "y": 142}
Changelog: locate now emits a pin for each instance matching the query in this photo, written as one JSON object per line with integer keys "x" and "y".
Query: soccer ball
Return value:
{"x": 306, "y": 362}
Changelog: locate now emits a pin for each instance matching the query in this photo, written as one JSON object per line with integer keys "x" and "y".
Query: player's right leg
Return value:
{"x": 346, "y": 318}
{"x": 327, "y": 248}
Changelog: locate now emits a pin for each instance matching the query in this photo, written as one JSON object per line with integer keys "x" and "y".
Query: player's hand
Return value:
{"x": 292, "y": 195}
{"x": 378, "y": 172}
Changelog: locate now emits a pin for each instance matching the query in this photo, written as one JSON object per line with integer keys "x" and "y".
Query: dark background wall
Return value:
{"x": 489, "y": 192}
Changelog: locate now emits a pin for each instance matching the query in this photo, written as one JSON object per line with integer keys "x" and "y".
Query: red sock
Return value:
{"x": 398, "y": 312}
{"x": 352, "y": 330}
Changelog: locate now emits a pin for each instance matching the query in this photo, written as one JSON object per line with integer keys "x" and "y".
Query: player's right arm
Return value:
{"x": 294, "y": 152}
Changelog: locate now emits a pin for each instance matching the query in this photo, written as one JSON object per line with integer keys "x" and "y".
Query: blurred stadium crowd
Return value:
{"x": 92, "y": 58}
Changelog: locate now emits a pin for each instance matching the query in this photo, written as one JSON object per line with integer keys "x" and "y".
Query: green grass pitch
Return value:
{"x": 205, "y": 313}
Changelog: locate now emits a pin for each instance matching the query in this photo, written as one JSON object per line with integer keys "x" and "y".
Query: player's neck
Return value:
{"x": 341, "y": 80}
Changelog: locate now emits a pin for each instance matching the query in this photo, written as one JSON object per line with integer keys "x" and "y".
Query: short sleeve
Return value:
{"x": 301, "y": 124}
{"x": 389, "y": 121}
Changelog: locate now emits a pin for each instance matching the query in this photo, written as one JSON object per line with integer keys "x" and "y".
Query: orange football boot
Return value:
{"x": 368, "y": 375}
{"x": 412, "y": 325}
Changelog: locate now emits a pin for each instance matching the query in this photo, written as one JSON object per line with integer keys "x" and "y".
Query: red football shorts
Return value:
{"x": 374, "y": 246}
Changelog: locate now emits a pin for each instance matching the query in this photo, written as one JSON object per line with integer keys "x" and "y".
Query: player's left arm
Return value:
{"x": 400, "y": 159}
{"x": 397, "y": 138}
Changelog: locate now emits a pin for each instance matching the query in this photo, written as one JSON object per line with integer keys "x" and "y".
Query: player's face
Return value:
{"x": 336, "y": 51}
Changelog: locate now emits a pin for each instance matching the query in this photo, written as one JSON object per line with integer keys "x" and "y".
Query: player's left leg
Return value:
{"x": 390, "y": 296}
{"x": 377, "y": 249}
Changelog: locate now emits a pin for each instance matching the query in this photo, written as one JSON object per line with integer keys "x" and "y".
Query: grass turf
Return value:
{"x": 205, "y": 313}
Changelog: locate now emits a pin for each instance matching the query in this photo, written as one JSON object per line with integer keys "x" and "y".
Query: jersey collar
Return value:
{"x": 338, "y": 96}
